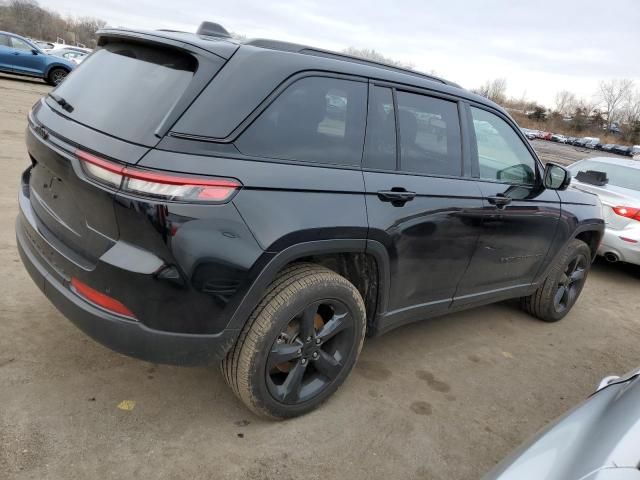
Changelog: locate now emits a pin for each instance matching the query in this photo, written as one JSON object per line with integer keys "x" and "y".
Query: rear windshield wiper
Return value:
{"x": 62, "y": 102}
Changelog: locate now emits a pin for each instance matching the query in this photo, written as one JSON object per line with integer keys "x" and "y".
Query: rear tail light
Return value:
{"x": 100, "y": 299}
{"x": 158, "y": 185}
{"x": 629, "y": 212}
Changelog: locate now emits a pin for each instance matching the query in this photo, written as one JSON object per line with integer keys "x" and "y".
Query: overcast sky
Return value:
{"x": 540, "y": 47}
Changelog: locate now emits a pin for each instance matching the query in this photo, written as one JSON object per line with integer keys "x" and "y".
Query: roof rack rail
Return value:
{"x": 350, "y": 58}
{"x": 275, "y": 45}
{"x": 304, "y": 49}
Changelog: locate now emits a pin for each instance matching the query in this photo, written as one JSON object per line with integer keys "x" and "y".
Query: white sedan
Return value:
{"x": 617, "y": 184}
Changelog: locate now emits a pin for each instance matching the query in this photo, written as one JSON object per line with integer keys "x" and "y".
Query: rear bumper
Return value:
{"x": 124, "y": 336}
{"x": 614, "y": 242}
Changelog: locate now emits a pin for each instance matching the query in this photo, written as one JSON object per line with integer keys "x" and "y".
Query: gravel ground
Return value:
{"x": 442, "y": 399}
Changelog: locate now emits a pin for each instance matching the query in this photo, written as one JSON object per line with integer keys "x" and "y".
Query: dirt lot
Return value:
{"x": 444, "y": 399}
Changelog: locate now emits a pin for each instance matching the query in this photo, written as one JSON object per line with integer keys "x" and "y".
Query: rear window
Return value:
{"x": 316, "y": 119}
{"x": 126, "y": 89}
{"x": 616, "y": 175}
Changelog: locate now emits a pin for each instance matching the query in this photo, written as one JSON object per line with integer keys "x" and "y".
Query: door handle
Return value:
{"x": 16, "y": 53}
{"x": 499, "y": 200}
{"x": 398, "y": 196}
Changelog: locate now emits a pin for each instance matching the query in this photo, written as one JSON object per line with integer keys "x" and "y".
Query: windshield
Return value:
{"x": 126, "y": 89}
{"x": 617, "y": 175}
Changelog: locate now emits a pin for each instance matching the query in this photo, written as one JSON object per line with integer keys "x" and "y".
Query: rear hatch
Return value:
{"x": 116, "y": 105}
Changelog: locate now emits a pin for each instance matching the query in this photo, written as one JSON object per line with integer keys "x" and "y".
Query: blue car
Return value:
{"x": 20, "y": 56}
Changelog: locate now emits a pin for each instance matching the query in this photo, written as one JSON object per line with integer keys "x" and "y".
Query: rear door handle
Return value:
{"x": 397, "y": 196}
{"x": 499, "y": 200}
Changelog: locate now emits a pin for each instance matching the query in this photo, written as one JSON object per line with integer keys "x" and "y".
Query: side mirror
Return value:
{"x": 34, "y": 51}
{"x": 556, "y": 177}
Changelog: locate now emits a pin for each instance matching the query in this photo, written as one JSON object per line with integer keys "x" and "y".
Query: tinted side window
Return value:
{"x": 316, "y": 119}
{"x": 4, "y": 41}
{"x": 20, "y": 45}
{"x": 429, "y": 135}
{"x": 380, "y": 145}
{"x": 502, "y": 155}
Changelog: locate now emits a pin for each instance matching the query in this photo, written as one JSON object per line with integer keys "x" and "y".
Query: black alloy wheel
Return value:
{"x": 570, "y": 283}
{"x": 310, "y": 353}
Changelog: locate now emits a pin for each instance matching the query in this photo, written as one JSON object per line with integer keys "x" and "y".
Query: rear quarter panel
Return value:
{"x": 284, "y": 203}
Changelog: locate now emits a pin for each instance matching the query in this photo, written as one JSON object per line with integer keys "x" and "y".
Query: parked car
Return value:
{"x": 20, "y": 56}
{"x": 546, "y": 135}
{"x": 556, "y": 137}
{"x": 617, "y": 184}
{"x": 593, "y": 143}
{"x": 570, "y": 140}
{"x": 73, "y": 54}
{"x": 530, "y": 134}
{"x": 622, "y": 150}
{"x": 635, "y": 152}
{"x": 598, "y": 440}
{"x": 262, "y": 228}
{"x": 608, "y": 147}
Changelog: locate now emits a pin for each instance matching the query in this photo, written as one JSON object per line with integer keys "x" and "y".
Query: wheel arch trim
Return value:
{"x": 300, "y": 250}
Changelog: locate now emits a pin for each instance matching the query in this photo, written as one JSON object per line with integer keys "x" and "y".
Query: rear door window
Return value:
{"x": 316, "y": 119}
{"x": 4, "y": 41}
{"x": 430, "y": 141}
{"x": 126, "y": 89}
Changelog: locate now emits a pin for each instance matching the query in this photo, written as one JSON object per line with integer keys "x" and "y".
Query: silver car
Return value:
{"x": 617, "y": 183}
{"x": 598, "y": 440}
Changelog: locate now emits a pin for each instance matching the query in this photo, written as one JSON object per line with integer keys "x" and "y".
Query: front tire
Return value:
{"x": 561, "y": 289}
{"x": 299, "y": 344}
{"x": 56, "y": 76}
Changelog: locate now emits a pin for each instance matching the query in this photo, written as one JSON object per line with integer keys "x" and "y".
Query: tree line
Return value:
{"x": 612, "y": 112}
{"x": 29, "y": 19}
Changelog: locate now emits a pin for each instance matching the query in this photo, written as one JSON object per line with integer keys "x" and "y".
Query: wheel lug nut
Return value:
{"x": 303, "y": 361}
{"x": 315, "y": 355}
{"x": 318, "y": 341}
{"x": 308, "y": 339}
{"x": 299, "y": 351}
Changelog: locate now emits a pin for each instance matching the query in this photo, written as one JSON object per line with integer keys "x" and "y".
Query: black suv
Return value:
{"x": 194, "y": 200}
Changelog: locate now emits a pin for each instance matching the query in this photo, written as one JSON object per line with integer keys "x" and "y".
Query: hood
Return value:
{"x": 601, "y": 434}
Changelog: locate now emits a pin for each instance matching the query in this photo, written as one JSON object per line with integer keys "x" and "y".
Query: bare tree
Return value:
{"x": 26, "y": 17}
{"x": 614, "y": 94}
{"x": 495, "y": 90}
{"x": 565, "y": 102}
{"x": 630, "y": 117}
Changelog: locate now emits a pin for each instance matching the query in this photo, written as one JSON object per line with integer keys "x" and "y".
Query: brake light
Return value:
{"x": 158, "y": 185}
{"x": 629, "y": 212}
{"x": 100, "y": 299}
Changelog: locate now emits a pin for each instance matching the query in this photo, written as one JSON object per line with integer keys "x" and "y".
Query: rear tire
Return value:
{"x": 561, "y": 289}
{"x": 56, "y": 76}
{"x": 299, "y": 344}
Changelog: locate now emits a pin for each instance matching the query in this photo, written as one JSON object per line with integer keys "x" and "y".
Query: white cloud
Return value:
{"x": 539, "y": 47}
